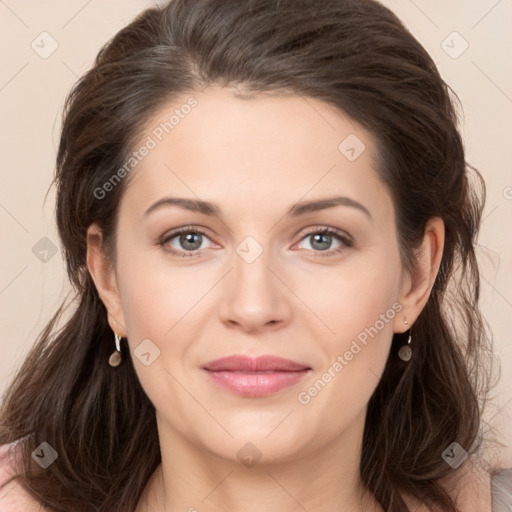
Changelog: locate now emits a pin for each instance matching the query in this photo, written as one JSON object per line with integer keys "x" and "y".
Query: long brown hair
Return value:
{"x": 353, "y": 54}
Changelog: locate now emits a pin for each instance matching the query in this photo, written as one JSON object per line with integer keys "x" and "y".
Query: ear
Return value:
{"x": 105, "y": 279}
{"x": 416, "y": 288}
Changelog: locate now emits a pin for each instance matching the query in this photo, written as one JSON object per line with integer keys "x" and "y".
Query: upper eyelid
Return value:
{"x": 310, "y": 231}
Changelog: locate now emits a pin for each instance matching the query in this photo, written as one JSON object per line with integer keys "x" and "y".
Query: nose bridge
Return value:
{"x": 253, "y": 279}
{"x": 255, "y": 297}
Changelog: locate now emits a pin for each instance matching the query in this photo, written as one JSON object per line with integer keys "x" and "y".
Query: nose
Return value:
{"x": 256, "y": 297}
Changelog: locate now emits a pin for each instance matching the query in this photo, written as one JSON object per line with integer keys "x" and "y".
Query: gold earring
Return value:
{"x": 116, "y": 358}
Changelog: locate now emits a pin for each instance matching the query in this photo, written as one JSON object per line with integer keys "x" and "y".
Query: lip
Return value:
{"x": 255, "y": 376}
{"x": 254, "y": 364}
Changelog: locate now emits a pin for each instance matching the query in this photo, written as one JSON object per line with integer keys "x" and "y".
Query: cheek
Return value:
{"x": 145, "y": 307}
{"x": 340, "y": 391}
{"x": 154, "y": 295}
{"x": 361, "y": 312}
{"x": 357, "y": 298}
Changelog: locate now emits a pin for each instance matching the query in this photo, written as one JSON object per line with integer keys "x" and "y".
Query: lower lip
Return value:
{"x": 255, "y": 384}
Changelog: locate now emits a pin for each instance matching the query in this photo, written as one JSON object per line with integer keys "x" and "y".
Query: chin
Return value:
{"x": 256, "y": 446}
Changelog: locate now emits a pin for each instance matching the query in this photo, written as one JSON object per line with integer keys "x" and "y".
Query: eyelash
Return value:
{"x": 347, "y": 242}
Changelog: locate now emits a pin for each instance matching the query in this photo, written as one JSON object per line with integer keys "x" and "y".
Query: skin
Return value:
{"x": 255, "y": 158}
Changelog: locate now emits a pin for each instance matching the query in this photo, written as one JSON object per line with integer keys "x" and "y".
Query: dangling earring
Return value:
{"x": 405, "y": 352}
{"x": 115, "y": 358}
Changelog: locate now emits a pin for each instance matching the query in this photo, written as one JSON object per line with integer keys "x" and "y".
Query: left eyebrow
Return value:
{"x": 322, "y": 204}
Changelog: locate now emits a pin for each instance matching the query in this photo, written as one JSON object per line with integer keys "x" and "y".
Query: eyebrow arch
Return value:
{"x": 301, "y": 208}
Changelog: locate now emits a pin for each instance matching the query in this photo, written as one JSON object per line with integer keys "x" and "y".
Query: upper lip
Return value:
{"x": 254, "y": 364}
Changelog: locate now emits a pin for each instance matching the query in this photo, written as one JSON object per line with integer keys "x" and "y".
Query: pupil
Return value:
{"x": 189, "y": 239}
{"x": 318, "y": 237}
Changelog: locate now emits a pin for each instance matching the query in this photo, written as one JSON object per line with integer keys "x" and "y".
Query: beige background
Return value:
{"x": 33, "y": 88}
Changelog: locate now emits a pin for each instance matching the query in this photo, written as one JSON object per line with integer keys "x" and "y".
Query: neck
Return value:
{"x": 194, "y": 480}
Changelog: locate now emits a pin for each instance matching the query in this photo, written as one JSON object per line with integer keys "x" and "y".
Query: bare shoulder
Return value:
{"x": 13, "y": 498}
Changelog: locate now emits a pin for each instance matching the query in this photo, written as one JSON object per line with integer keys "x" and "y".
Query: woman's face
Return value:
{"x": 257, "y": 277}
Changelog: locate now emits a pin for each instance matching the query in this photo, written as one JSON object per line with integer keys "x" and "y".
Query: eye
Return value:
{"x": 321, "y": 241}
{"x": 186, "y": 241}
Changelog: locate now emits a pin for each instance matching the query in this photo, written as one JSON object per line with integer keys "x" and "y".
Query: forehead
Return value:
{"x": 266, "y": 148}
